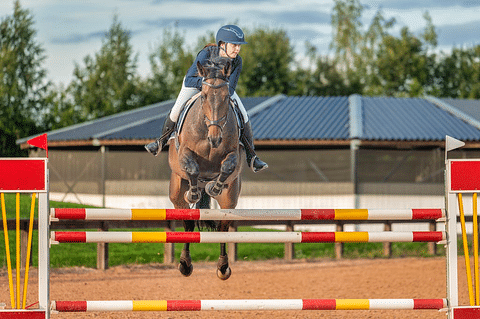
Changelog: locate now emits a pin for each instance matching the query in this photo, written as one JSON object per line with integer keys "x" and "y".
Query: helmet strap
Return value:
{"x": 225, "y": 50}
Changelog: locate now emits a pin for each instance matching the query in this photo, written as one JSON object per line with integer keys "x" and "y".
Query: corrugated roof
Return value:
{"x": 301, "y": 118}
{"x": 141, "y": 123}
{"x": 469, "y": 107}
{"x": 412, "y": 119}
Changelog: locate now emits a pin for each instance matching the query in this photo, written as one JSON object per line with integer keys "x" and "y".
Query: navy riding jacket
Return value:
{"x": 193, "y": 80}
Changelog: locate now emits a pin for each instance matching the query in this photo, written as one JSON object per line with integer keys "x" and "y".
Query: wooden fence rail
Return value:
{"x": 169, "y": 257}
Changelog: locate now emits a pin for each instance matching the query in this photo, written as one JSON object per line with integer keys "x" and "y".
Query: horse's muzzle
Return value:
{"x": 215, "y": 141}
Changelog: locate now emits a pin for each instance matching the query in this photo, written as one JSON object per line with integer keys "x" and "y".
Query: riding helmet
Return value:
{"x": 230, "y": 34}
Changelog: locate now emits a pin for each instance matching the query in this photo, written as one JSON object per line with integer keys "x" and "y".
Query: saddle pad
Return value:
{"x": 188, "y": 106}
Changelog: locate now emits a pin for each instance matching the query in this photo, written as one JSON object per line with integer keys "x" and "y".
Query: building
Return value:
{"x": 323, "y": 152}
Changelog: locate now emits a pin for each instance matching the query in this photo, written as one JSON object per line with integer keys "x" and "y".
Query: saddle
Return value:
{"x": 188, "y": 105}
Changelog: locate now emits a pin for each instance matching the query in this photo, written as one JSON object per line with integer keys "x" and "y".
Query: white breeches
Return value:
{"x": 186, "y": 93}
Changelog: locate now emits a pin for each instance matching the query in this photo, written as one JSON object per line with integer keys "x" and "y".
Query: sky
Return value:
{"x": 69, "y": 30}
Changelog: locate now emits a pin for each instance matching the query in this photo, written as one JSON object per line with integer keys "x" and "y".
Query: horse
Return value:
{"x": 206, "y": 157}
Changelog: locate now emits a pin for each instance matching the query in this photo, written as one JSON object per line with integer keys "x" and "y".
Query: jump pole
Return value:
{"x": 244, "y": 214}
{"x": 249, "y": 304}
{"x": 245, "y": 237}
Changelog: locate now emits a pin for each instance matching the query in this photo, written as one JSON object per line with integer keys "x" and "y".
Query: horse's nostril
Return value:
{"x": 214, "y": 141}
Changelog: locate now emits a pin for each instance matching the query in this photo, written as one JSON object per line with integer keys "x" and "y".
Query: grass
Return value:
{"x": 69, "y": 255}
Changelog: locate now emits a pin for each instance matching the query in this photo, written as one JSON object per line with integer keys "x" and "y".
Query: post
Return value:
{"x": 387, "y": 247}
{"x": 339, "y": 246}
{"x": 169, "y": 249}
{"x": 232, "y": 247}
{"x": 289, "y": 247}
{"x": 103, "y": 173}
{"x": 102, "y": 251}
{"x": 432, "y": 247}
{"x": 44, "y": 252}
{"x": 451, "y": 228}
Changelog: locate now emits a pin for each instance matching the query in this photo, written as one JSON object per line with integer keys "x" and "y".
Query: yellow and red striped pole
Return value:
{"x": 249, "y": 304}
{"x": 244, "y": 237}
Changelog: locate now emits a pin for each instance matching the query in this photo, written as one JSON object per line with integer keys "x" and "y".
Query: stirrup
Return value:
{"x": 154, "y": 148}
{"x": 257, "y": 165}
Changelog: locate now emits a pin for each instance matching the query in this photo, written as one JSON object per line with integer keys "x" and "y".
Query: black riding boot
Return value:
{"x": 253, "y": 161}
{"x": 156, "y": 147}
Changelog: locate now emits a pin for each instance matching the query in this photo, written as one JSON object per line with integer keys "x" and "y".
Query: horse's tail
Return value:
{"x": 204, "y": 202}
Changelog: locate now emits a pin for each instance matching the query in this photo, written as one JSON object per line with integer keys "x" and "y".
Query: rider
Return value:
{"x": 229, "y": 41}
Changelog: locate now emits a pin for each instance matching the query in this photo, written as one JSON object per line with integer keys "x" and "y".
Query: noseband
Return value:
{"x": 224, "y": 118}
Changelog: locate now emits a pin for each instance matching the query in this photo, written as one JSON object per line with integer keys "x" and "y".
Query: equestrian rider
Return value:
{"x": 229, "y": 41}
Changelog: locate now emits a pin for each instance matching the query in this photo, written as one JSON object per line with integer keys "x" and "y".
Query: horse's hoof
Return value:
{"x": 224, "y": 276}
{"x": 185, "y": 269}
{"x": 211, "y": 190}
{"x": 192, "y": 198}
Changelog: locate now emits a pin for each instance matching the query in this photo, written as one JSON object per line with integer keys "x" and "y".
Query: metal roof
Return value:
{"x": 303, "y": 118}
{"x": 412, "y": 119}
{"x": 469, "y": 107}
{"x": 290, "y": 119}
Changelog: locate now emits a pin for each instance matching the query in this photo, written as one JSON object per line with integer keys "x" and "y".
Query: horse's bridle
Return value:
{"x": 224, "y": 118}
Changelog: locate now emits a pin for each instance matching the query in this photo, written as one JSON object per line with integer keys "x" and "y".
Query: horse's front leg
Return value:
{"x": 185, "y": 266}
{"x": 223, "y": 270}
{"x": 190, "y": 166}
{"x": 229, "y": 164}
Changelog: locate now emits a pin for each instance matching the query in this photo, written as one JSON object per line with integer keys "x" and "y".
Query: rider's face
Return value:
{"x": 231, "y": 50}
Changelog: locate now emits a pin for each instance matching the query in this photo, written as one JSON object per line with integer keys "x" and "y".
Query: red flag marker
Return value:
{"x": 39, "y": 141}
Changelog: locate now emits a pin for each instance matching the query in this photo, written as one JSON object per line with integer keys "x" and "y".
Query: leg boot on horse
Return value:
{"x": 246, "y": 137}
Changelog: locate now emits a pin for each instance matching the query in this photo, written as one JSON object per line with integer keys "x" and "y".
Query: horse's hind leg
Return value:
{"x": 227, "y": 200}
{"x": 185, "y": 266}
{"x": 223, "y": 270}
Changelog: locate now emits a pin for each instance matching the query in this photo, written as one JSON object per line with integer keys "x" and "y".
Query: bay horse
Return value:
{"x": 206, "y": 158}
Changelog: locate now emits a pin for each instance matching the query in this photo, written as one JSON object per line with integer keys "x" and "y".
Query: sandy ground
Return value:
{"x": 369, "y": 279}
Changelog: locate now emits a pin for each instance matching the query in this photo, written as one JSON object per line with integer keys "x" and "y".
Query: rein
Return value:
{"x": 215, "y": 86}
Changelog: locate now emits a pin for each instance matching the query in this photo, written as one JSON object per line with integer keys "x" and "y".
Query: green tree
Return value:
{"x": 347, "y": 35}
{"x": 458, "y": 74}
{"x": 320, "y": 77}
{"x": 400, "y": 66}
{"x": 107, "y": 83}
{"x": 23, "y": 87}
{"x": 267, "y": 61}
{"x": 169, "y": 63}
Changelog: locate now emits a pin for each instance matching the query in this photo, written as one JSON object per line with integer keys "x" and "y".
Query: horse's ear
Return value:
{"x": 201, "y": 69}
{"x": 227, "y": 69}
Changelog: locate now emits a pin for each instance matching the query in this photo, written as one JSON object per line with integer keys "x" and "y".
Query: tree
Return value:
{"x": 400, "y": 66}
{"x": 107, "y": 83}
{"x": 347, "y": 34}
{"x": 23, "y": 87}
{"x": 458, "y": 74}
{"x": 267, "y": 59}
{"x": 169, "y": 63}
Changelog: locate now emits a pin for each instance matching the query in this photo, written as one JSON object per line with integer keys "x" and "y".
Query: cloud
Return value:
{"x": 182, "y": 23}
{"x": 415, "y": 4}
{"x": 459, "y": 34}
{"x": 298, "y": 17}
{"x": 76, "y": 38}
{"x": 233, "y": 2}
{"x": 306, "y": 34}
